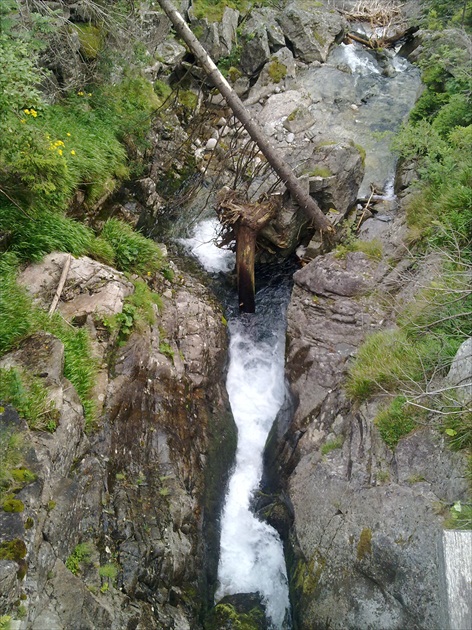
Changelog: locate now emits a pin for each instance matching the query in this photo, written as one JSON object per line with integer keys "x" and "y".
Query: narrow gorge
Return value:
{"x": 168, "y": 461}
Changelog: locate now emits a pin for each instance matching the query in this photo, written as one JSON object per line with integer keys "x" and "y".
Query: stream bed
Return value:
{"x": 251, "y": 554}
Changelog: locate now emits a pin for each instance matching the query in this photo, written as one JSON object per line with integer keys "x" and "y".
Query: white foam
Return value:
{"x": 358, "y": 60}
{"x": 202, "y": 246}
{"x": 251, "y": 556}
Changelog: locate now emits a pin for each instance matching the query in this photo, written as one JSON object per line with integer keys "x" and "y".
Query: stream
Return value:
{"x": 251, "y": 552}
{"x": 251, "y": 555}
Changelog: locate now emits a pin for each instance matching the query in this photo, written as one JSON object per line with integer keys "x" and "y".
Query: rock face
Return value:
{"x": 140, "y": 489}
{"x": 312, "y": 31}
{"x": 366, "y": 531}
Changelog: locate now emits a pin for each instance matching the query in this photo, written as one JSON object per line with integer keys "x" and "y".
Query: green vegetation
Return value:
{"x": 13, "y": 505}
{"x": 320, "y": 171}
{"x": 109, "y": 572}
{"x": 5, "y": 622}
{"x": 132, "y": 251}
{"x": 372, "y": 249}
{"x": 364, "y": 546}
{"x": 11, "y": 456}
{"x": 226, "y": 616}
{"x": 332, "y": 445}
{"x": 406, "y": 365}
{"x": 396, "y": 421}
{"x": 277, "y": 70}
{"x": 12, "y": 550}
{"x": 29, "y": 397}
{"x": 80, "y": 555}
{"x": 213, "y": 10}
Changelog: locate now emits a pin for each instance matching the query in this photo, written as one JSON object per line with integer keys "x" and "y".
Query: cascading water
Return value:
{"x": 251, "y": 556}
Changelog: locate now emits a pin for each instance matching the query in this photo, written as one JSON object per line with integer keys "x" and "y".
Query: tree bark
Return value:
{"x": 245, "y": 253}
{"x": 283, "y": 170}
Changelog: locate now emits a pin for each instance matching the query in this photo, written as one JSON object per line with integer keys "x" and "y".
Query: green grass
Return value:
{"x": 12, "y": 446}
{"x": 109, "y": 572}
{"x": 132, "y": 251}
{"x": 27, "y": 394}
{"x": 372, "y": 249}
{"x": 396, "y": 421}
{"x": 332, "y": 445}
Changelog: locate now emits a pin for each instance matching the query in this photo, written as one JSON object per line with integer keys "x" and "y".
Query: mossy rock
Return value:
{"x": 14, "y": 550}
{"x": 364, "y": 546}
{"x": 225, "y": 617}
{"x": 277, "y": 71}
{"x": 23, "y": 476}
{"x": 320, "y": 171}
{"x": 91, "y": 40}
{"x": 13, "y": 505}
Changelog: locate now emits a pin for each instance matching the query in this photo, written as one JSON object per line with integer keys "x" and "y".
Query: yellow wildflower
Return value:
{"x": 23, "y": 120}
{"x": 59, "y": 151}
{"x": 27, "y": 111}
{"x": 33, "y": 113}
{"x": 68, "y": 134}
{"x": 72, "y": 152}
{"x": 80, "y": 93}
{"x": 89, "y": 94}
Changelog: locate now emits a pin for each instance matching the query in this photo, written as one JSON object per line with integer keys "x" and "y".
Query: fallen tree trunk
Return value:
{"x": 283, "y": 170}
{"x": 244, "y": 220}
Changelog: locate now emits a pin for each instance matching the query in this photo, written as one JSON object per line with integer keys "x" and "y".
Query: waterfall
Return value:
{"x": 251, "y": 555}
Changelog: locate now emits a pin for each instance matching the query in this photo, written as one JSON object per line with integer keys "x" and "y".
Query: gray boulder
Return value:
{"x": 311, "y": 30}
{"x": 335, "y": 174}
{"x": 255, "y": 50}
{"x": 460, "y": 374}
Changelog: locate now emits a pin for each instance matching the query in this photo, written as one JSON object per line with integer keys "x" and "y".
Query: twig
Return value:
{"x": 60, "y": 286}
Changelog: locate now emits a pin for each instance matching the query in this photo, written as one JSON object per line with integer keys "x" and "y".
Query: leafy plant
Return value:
{"x": 109, "y": 572}
{"x": 80, "y": 555}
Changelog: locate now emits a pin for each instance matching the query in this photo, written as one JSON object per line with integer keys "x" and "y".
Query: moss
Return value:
{"x": 320, "y": 171}
{"x": 364, "y": 546}
{"x": 29, "y": 523}
{"x": 23, "y": 475}
{"x": 14, "y": 550}
{"x": 13, "y": 505}
{"x": 361, "y": 152}
{"x": 277, "y": 70}
{"x": 307, "y": 574}
{"x": 91, "y": 40}
{"x": 226, "y": 616}
{"x": 396, "y": 421}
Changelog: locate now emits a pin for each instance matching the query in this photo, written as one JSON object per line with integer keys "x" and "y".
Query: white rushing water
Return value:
{"x": 202, "y": 246}
{"x": 251, "y": 555}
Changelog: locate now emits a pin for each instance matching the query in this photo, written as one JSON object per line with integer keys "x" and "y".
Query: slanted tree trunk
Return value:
{"x": 272, "y": 155}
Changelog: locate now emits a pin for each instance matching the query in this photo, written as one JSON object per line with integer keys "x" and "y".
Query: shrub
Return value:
{"x": 332, "y": 445}
{"x": 109, "y": 571}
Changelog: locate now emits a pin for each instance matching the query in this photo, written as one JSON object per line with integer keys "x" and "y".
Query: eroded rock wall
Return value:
{"x": 141, "y": 487}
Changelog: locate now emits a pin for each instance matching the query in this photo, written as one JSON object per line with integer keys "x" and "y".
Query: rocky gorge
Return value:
{"x": 119, "y": 524}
